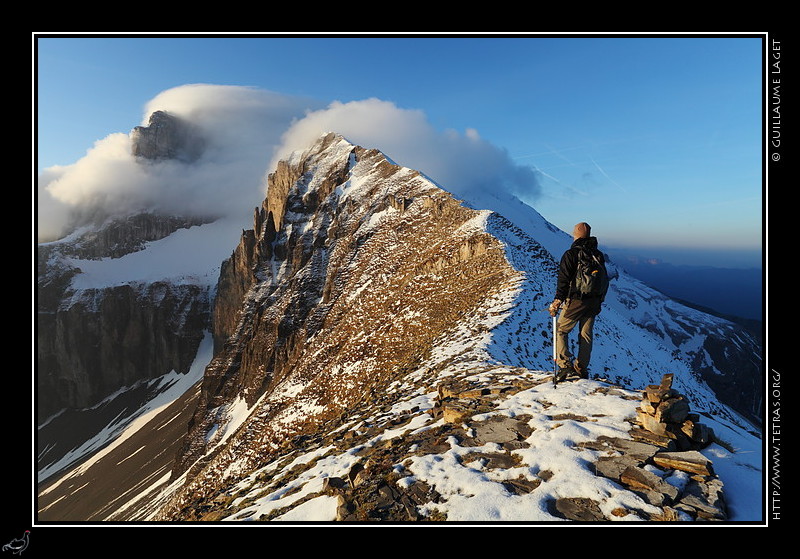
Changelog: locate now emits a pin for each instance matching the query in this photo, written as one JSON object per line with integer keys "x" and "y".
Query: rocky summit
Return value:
{"x": 167, "y": 136}
{"x": 358, "y": 273}
{"x": 381, "y": 352}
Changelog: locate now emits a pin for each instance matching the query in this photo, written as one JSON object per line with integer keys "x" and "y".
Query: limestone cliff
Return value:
{"x": 92, "y": 342}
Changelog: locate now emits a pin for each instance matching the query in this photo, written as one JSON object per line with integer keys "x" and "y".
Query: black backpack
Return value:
{"x": 591, "y": 277}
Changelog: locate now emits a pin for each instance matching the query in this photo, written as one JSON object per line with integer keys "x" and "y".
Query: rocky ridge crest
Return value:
{"x": 332, "y": 250}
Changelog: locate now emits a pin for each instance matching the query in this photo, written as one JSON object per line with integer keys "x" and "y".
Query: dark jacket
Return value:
{"x": 568, "y": 266}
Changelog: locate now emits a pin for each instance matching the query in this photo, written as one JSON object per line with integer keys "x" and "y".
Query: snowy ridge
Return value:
{"x": 668, "y": 336}
{"x": 290, "y": 487}
{"x": 472, "y": 489}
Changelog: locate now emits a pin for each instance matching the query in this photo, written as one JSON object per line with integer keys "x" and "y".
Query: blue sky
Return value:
{"x": 655, "y": 141}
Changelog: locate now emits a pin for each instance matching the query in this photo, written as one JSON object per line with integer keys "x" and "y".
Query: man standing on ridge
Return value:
{"x": 580, "y": 291}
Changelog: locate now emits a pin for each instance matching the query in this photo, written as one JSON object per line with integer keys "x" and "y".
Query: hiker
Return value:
{"x": 579, "y": 303}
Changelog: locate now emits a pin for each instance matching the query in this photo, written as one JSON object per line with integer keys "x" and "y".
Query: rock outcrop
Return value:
{"x": 681, "y": 483}
{"x": 662, "y": 461}
{"x": 167, "y": 137}
{"x": 667, "y": 420}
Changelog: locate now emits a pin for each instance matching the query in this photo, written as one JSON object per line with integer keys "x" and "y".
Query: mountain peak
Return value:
{"x": 343, "y": 240}
{"x": 167, "y": 136}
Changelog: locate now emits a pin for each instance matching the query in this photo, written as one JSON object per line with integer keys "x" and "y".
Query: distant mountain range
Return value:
{"x": 730, "y": 292}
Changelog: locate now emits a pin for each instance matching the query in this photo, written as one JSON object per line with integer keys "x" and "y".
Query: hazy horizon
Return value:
{"x": 695, "y": 257}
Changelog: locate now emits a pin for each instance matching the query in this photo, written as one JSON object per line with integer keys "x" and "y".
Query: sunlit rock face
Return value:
{"x": 354, "y": 268}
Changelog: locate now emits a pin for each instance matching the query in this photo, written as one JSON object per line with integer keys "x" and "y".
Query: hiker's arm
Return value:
{"x": 566, "y": 271}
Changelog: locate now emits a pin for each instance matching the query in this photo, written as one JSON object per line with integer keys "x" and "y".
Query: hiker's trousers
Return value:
{"x": 580, "y": 313}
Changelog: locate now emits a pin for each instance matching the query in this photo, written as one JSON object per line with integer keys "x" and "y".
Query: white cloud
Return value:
{"x": 247, "y": 130}
{"x": 459, "y": 163}
{"x": 52, "y": 217}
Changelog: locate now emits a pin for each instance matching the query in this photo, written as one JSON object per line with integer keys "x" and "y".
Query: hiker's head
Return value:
{"x": 581, "y": 231}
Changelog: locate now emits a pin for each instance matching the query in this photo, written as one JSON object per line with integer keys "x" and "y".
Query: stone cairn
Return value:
{"x": 667, "y": 422}
{"x": 668, "y": 441}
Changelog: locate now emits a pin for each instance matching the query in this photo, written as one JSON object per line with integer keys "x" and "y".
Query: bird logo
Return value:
{"x": 18, "y": 545}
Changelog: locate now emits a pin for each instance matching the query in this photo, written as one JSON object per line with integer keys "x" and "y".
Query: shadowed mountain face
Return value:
{"x": 96, "y": 340}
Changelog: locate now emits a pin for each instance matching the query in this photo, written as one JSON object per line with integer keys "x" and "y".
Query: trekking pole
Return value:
{"x": 555, "y": 362}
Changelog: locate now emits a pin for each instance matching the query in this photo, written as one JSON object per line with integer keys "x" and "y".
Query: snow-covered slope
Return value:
{"x": 700, "y": 348}
{"x": 483, "y": 479}
{"x": 373, "y": 289}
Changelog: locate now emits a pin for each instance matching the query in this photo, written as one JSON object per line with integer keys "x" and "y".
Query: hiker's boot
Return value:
{"x": 563, "y": 373}
{"x": 583, "y": 372}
